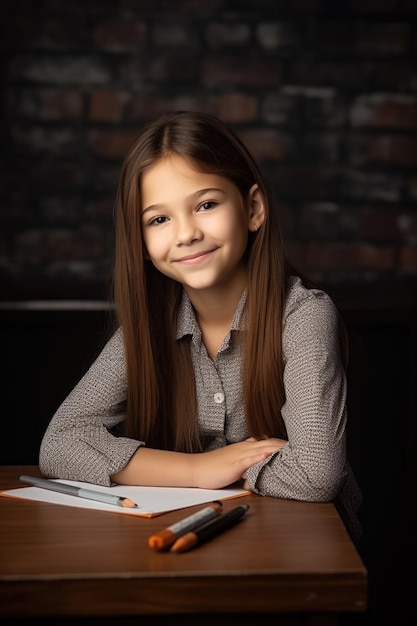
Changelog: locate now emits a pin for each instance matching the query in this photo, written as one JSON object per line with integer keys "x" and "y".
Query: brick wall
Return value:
{"x": 324, "y": 93}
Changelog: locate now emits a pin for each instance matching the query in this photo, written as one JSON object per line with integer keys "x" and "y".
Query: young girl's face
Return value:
{"x": 195, "y": 225}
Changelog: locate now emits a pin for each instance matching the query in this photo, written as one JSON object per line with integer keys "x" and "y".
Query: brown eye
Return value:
{"x": 206, "y": 206}
{"x": 156, "y": 221}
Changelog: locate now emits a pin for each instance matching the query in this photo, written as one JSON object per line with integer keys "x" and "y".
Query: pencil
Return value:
{"x": 166, "y": 537}
{"x": 209, "y": 530}
{"x": 70, "y": 490}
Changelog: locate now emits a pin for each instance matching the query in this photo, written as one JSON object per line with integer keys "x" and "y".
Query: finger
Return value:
{"x": 253, "y": 459}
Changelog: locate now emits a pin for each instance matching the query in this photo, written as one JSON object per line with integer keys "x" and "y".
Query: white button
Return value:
{"x": 218, "y": 397}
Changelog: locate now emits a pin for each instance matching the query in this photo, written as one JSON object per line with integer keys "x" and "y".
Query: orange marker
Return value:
{"x": 166, "y": 537}
{"x": 209, "y": 530}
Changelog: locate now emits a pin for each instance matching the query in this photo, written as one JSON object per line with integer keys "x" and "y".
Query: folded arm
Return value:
{"x": 312, "y": 466}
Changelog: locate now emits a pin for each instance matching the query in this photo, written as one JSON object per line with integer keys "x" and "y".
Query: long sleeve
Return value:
{"x": 78, "y": 444}
{"x": 312, "y": 466}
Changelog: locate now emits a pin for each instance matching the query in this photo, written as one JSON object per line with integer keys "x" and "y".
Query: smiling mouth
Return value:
{"x": 195, "y": 258}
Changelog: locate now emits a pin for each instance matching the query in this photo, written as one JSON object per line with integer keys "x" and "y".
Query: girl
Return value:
{"x": 224, "y": 365}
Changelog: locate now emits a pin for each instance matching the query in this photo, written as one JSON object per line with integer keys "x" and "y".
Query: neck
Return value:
{"x": 216, "y": 307}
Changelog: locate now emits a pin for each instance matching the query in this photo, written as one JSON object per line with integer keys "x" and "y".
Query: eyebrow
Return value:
{"x": 196, "y": 194}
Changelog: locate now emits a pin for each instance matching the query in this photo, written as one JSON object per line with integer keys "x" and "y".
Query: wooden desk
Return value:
{"x": 289, "y": 558}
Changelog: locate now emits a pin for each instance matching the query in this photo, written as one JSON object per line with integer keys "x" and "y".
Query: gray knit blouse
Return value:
{"x": 77, "y": 444}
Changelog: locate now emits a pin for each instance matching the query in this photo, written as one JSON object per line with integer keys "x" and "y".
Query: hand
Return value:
{"x": 221, "y": 467}
{"x": 281, "y": 443}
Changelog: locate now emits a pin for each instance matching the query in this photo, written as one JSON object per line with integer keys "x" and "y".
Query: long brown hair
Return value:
{"x": 161, "y": 398}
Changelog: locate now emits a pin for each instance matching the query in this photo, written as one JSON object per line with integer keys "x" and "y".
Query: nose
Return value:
{"x": 188, "y": 231}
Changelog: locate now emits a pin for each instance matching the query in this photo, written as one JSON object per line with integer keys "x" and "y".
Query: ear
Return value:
{"x": 256, "y": 206}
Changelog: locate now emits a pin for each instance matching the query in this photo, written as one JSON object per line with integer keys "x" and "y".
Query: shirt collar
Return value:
{"x": 187, "y": 322}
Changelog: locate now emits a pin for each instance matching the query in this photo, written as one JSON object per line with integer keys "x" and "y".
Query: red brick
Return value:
{"x": 65, "y": 105}
{"x": 108, "y": 105}
{"x": 146, "y": 107}
{"x": 120, "y": 34}
{"x": 266, "y": 143}
{"x": 408, "y": 259}
{"x": 237, "y": 107}
{"x": 385, "y": 111}
{"x": 393, "y": 150}
{"x": 378, "y": 224}
{"x": 233, "y": 108}
{"x": 46, "y": 104}
{"x": 111, "y": 144}
{"x": 241, "y": 69}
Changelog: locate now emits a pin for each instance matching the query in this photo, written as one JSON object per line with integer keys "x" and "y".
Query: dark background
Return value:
{"x": 324, "y": 93}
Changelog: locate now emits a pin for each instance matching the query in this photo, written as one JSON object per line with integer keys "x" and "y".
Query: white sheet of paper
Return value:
{"x": 150, "y": 501}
